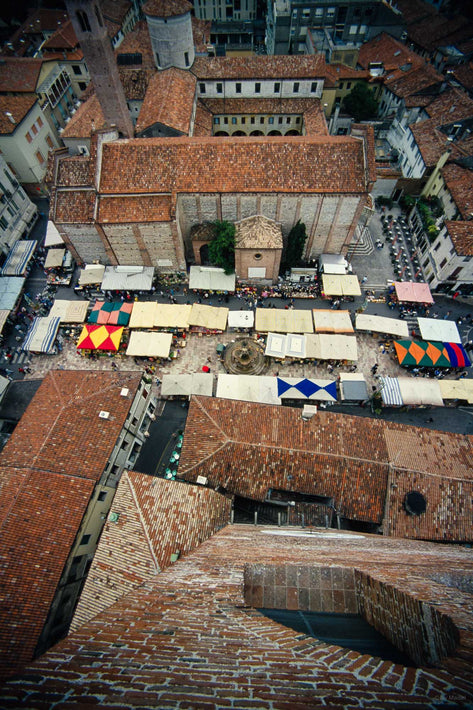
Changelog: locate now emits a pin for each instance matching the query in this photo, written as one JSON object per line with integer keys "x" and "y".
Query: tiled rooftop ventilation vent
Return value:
{"x": 415, "y": 503}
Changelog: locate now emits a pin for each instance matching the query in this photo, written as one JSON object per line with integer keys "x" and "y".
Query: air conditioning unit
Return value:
{"x": 103, "y": 414}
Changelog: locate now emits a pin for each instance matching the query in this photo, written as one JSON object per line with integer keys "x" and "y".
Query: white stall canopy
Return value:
{"x": 169, "y": 315}
{"x": 340, "y": 285}
{"x": 283, "y": 321}
{"x": 457, "y": 389}
{"x": 91, "y": 275}
{"x": 149, "y": 344}
{"x": 241, "y": 319}
{"x": 69, "y": 311}
{"x": 210, "y": 278}
{"x": 10, "y": 290}
{"x": 248, "y": 388}
{"x": 290, "y": 345}
{"x": 142, "y": 315}
{"x": 128, "y": 278}
{"x": 381, "y": 324}
{"x": 331, "y": 347}
{"x": 421, "y": 391}
{"x": 209, "y": 317}
{"x": 327, "y": 320}
{"x": 444, "y": 331}
{"x": 186, "y": 385}
{"x": 54, "y": 258}
{"x": 53, "y": 238}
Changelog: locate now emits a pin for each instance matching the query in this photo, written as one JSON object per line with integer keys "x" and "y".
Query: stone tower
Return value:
{"x": 170, "y": 29}
{"x": 91, "y": 31}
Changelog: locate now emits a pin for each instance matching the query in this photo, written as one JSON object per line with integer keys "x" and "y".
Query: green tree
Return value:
{"x": 296, "y": 240}
{"x": 360, "y": 103}
{"x": 222, "y": 246}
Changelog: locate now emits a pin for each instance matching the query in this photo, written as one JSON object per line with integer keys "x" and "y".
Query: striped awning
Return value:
{"x": 42, "y": 334}
{"x": 18, "y": 258}
{"x": 390, "y": 391}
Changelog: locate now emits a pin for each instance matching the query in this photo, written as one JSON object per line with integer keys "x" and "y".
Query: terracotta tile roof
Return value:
{"x": 192, "y": 636}
{"x": 138, "y": 42}
{"x": 169, "y": 100}
{"x": 203, "y": 121}
{"x": 48, "y": 470}
{"x": 19, "y": 74}
{"x": 464, "y": 75}
{"x": 459, "y": 182}
{"x": 88, "y": 117}
{"x": 63, "y": 38}
{"x": 135, "y": 82}
{"x": 431, "y": 142}
{"x": 249, "y": 449}
{"x": 18, "y": 106}
{"x": 115, "y": 10}
{"x": 44, "y": 20}
{"x": 392, "y": 53}
{"x": 74, "y": 206}
{"x": 310, "y": 109}
{"x": 258, "y": 232}
{"x": 73, "y": 171}
{"x": 167, "y": 8}
{"x": 135, "y": 208}
{"x": 260, "y": 67}
{"x": 461, "y": 234}
{"x": 268, "y": 164}
{"x": 417, "y": 83}
{"x": 157, "y": 518}
{"x": 451, "y": 105}
{"x": 437, "y": 30}
{"x": 201, "y": 33}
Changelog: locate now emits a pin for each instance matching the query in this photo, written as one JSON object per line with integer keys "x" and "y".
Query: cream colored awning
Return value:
{"x": 69, "y": 311}
{"x": 457, "y": 389}
{"x": 54, "y": 258}
{"x": 169, "y": 315}
{"x": 208, "y": 317}
{"x": 381, "y": 324}
{"x": 331, "y": 347}
{"x": 327, "y": 320}
{"x": 143, "y": 314}
{"x": 149, "y": 344}
{"x": 283, "y": 321}
{"x": 340, "y": 285}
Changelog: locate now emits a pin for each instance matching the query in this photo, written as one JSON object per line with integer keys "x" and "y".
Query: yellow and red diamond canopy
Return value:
{"x": 100, "y": 337}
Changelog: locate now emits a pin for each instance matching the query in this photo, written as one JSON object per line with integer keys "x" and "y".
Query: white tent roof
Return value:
{"x": 210, "y": 278}
{"x": 195, "y": 383}
{"x": 295, "y": 345}
{"x": 275, "y": 345}
{"x": 283, "y": 321}
{"x": 147, "y": 344}
{"x": 142, "y": 315}
{"x": 381, "y": 324}
{"x": 445, "y": 331}
{"x": 169, "y": 315}
{"x": 241, "y": 319}
{"x": 331, "y": 347}
{"x": 340, "y": 285}
{"x": 457, "y": 389}
{"x": 53, "y": 237}
{"x": 390, "y": 391}
{"x": 54, "y": 258}
{"x": 91, "y": 274}
{"x": 128, "y": 278}
{"x": 19, "y": 257}
{"x": 10, "y": 289}
{"x": 69, "y": 311}
{"x": 327, "y": 320}
{"x": 290, "y": 345}
{"x": 41, "y": 335}
{"x": 420, "y": 390}
{"x": 3, "y": 318}
{"x": 209, "y": 317}
{"x": 353, "y": 386}
{"x": 248, "y": 388}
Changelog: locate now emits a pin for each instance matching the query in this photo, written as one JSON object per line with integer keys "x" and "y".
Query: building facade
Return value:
{"x": 17, "y": 213}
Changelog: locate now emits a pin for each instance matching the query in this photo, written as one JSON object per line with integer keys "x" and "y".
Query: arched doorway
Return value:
{"x": 239, "y": 133}
{"x": 221, "y": 133}
{"x": 256, "y": 133}
{"x": 293, "y": 132}
{"x": 274, "y": 133}
{"x": 204, "y": 255}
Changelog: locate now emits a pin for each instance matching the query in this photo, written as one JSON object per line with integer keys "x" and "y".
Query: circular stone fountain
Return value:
{"x": 245, "y": 357}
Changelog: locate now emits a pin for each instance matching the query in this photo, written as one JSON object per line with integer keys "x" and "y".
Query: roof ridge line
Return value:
{"x": 143, "y": 523}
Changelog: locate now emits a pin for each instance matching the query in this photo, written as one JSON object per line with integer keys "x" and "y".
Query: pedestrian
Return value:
{"x": 364, "y": 279}
{"x": 374, "y": 369}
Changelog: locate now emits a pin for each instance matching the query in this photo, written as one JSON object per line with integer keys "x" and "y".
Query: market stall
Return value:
{"x": 19, "y": 257}
{"x": 340, "y": 285}
{"x": 211, "y": 278}
{"x": 305, "y": 388}
{"x": 69, "y": 311}
{"x": 170, "y": 315}
{"x": 52, "y": 238}
{"x": 353, "y": 387}
{"x": 54, "y": 258}
{"x": 248, "y": 388}
{"x": 445, "y": 331}
{"x": 283, "y": 321}
{"x": 422, "y": 353}
{"x": 3, "y": 318}
{"x": 327, "y": 320}
{"x": 420, "y": 391}
{"x": 143, "y": 314}
{"x": 290, "y": 345}
{"x": 200, "y": 383}
{"x": 111, "y": 313}
{"x": 41, "y": 335}
{"x": 413, "y": 292}
{"x": 209, "y": 319}
{"x": 331, "y": 347}
{"x": 100, "y": 337}
{"x": 128, "y": 278}
{"x": 10, "y": 291}
{"x": 461, "y": 390}
{"x": 390, "y": 391}
{"x": 91, "y": 275}
{"x": 241, "y": 319}
{"x": 149, "y": 344}
{"x": 380, "y": 324}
